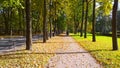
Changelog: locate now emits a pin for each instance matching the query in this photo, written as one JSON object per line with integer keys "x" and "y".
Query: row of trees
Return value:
{"x": 27, "y": 17}
{"x": 104, "y": 7}
{"x": 51, "y": 17}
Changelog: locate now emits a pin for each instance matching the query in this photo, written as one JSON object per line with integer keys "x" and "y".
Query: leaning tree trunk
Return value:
{"x": 81, "y": 33}
{"x": 114, "y": 26}
{"x": 93, "y": 24}
{"x": 86, "y": 18}
{"x": 28, "y": 25}
{"x": 44, "y": 23}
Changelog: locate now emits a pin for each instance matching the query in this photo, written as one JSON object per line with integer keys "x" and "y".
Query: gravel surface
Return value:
{"x": 71, "y": 55}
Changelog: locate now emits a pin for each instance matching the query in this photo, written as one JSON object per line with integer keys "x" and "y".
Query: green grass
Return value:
{"x": 101, "y": 50}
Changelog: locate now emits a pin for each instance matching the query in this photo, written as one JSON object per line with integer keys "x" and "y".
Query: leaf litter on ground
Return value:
{"x": 35, "y": 58}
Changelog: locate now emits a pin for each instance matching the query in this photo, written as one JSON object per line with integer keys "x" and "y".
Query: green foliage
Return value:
{"x": 61, "y": 21}
{"x": 101, "y": 50}
{"x": 12, "y": 3}
{"x": 72, "y": 9}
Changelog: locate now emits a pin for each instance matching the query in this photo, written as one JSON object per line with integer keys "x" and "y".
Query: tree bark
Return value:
{"x": 28, "y": 25}
{"x": 55, "y": 24}
{"x": 86, "y": 18}
{"x": 81, "y": 33}
{"x": 44, "y": 23}
{"x": 6, "y": 20}
{"x": 20, "y": 21}
{"x": 50, "y": 19}
{"x": 114, "y": 25}
{"x": 94, "y": 20}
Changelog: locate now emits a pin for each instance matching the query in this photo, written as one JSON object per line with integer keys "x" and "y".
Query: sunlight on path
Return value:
{"x": 71, "y": 55}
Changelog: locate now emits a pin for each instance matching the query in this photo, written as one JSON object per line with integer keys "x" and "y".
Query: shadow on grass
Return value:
{"x": 98, "y": 50}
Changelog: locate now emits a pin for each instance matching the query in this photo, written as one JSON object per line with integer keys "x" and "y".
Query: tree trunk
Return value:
{"x": 46, "y": 34}
{"x": 44, "y": 23}
{"x": 23, "y": 20}
{"x": 20, "y": 21}
{"x": 50, "y": 27}
{"x": 50, "y": 19}
{"x": 75, "y": 25}
{"x": 81, "y": 33}
{"x": 55, "y": 24}
{"x": 86, "y": 18}
{"x": 6, "y": 20}
{"x": 28, "y": 25}
{"x": 114, "y": 26}
{"x": 93, "y": 24}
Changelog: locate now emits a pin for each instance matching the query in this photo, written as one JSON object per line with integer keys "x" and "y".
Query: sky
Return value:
{"x": 119, "y": 6}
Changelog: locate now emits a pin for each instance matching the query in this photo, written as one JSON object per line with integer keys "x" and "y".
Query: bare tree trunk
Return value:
{"x": 93, "y": 24}
{"x": 114, "y": 26}
{"x": 81, "y": 33}
{"x": 86, "y": 18}
{"x": 75, "y": 24}
{"x": 23, "y": 20}
{"x": 20, "y": 21}
{"x": 44, "y": 23}
{"x": 28, "y": 25}
{"x": 55, "y": 24}
{"x": 50, "y": 27}
{"x": 50, "y": 19}
{"x": 6, "y": 20}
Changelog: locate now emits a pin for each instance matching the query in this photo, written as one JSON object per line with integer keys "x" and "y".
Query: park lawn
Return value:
{"x": 36, "y": 58}
{"x": 101, "y": 50}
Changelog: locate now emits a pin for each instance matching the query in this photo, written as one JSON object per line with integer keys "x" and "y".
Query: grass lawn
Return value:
{"x": 36, "y": 58}
{"x": 101, "y": 50}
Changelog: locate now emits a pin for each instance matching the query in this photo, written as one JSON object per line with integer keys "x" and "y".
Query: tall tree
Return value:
{"x": 114, "y": 26}
{"x": 44, "y": 23}
{"x": 94, "y": 20}
{"x": 28, "y": 25}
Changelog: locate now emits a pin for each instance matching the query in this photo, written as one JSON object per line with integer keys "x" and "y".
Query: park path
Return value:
{"x": 71, "y": 55}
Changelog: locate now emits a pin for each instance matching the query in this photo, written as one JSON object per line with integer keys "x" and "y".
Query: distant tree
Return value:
{"x": 28, "y": 25}
{"x": 114, "y": 26}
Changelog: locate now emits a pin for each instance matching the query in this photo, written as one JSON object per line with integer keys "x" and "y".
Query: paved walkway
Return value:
{"x": 11, "y": 43}
{"x": 71, "y": 55}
